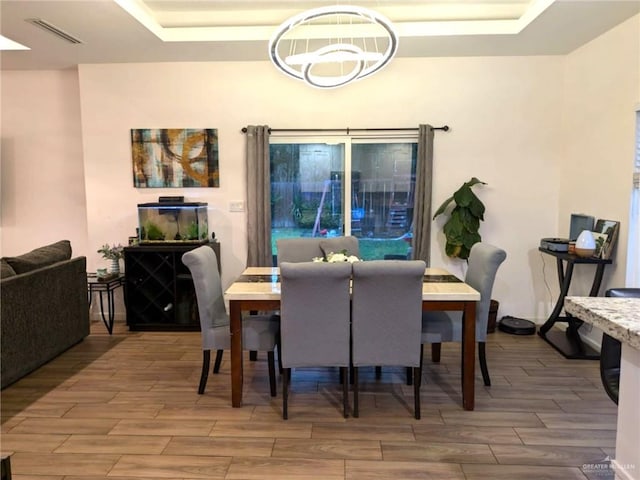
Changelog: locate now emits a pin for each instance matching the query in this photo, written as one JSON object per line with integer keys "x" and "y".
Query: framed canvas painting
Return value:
{"x": 175, "y": 157}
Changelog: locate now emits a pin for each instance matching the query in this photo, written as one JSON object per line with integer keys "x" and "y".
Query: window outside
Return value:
{"x": 311, "y": 178}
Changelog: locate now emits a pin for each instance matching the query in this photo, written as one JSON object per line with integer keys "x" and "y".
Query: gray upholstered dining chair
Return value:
{"x": 386, "y": 318}
{"x": 611, "y": 350}
{"x": 258, "y": 332}
{"x": 439, "y": 327}
{"x": 304, "y": 249}
{"x": 314, "y": 320}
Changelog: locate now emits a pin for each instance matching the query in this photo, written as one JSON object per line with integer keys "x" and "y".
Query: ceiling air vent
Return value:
{"x": 53, "y": 29}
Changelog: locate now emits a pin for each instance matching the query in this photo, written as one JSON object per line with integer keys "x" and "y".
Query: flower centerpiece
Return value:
{"x": 113, "y": 253}
{"x": 342, "y": 256}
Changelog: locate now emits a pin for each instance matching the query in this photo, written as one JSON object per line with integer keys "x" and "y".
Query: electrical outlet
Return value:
{"x": 236, "y": 206}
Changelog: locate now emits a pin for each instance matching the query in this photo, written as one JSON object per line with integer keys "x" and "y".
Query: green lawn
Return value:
{"x": 370, "y": 248}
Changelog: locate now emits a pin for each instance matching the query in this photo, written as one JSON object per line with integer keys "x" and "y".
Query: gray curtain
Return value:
{"x": 258, "y": 197}
{"x": 421, "y": 242}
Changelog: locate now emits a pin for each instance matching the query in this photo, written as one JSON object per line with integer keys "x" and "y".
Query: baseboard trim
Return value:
{"x": 97, "y": 317}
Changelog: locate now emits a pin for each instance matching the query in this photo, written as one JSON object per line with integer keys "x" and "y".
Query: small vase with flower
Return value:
{"x": 113, "y": 253}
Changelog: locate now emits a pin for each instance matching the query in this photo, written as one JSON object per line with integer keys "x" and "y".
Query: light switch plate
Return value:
{"x": 236, "y": 206}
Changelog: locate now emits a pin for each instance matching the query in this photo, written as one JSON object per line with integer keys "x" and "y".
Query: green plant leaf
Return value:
{"x": 474, "y": 181}
{"x": 443, "y": 207}
{"x": 463, "y": 196}
{"x": 469, "y": 239}
{"x": 468, "y": 220}
{"x": 454, "y": 229}
{"x": 476, "y": 207}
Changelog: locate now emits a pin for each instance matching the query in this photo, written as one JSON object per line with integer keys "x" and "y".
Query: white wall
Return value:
{"x": 499, "y": 111}
{"x": 505, "y": 114}
{"x": 42, "y": 196}
{"x": 602, "y": 91}
{"x": 601, "y": 94}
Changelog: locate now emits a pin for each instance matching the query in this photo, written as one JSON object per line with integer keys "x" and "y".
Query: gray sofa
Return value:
{"x": 43, "y": 307}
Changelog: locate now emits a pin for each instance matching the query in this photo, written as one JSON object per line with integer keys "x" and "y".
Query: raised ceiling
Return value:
{"x": 123, "y": 31}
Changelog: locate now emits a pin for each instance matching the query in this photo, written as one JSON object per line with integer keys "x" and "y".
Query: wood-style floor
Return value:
{"x": 126, "y": 407}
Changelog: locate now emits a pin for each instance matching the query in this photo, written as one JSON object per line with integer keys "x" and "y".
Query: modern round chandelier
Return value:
{"x": 329, "y": 47}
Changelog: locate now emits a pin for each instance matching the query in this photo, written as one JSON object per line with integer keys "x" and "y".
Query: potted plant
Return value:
{"x": 113, "y": 253}
{"x": 462, "y": 229}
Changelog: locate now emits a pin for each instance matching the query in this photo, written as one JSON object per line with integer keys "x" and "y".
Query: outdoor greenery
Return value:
{"x": 370, "y": 248}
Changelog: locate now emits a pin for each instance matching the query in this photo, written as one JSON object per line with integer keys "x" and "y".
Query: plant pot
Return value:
{"x": 114, "y": 267}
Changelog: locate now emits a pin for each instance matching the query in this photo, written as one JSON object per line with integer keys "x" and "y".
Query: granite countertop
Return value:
{"x": 618, "y": 317}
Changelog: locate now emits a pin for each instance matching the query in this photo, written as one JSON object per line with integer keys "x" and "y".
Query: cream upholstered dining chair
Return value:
{"x": 439, "y": 327}
{"x": 258, "y": 332}
{"x": 314, "y": 320}
{"x": 386, "y": 318}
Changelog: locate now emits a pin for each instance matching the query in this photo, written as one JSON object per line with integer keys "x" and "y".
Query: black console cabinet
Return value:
{"x": 160, "y": 292}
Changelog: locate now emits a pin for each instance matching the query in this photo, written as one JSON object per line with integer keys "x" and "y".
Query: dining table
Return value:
{"x": 258, "y": 289}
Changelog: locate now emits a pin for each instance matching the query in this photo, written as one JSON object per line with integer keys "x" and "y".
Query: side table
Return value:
{"x": 568, "y": 343}
{"x": 108, "y": 286}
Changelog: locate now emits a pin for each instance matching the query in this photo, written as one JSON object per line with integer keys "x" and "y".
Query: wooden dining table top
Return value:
{"x": 264, "y": 283}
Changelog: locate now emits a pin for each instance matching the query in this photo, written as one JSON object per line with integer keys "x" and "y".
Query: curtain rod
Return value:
{"x": 444, "y": 128}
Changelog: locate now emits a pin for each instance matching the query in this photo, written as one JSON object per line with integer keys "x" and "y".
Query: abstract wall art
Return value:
{"x": 175, "y": 157}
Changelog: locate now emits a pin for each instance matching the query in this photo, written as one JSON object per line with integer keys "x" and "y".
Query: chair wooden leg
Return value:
{"x": 409, "y": 373}
{"x": 345, "y": 392}
{"x": 356, "y": 412}
{"x": 482, "y": 357}
{"x": 216, "y": 365}
{"x": 285, "y": 393}
{"x": 378, "y": 372}
{"x": 435, "y": 352}
{"x": 271, "y": 361}
{"x": 417, "y": 374}
{"x": 206, "y": 362}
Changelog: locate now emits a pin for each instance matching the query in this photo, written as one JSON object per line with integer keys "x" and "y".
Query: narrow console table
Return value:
{"x": 568, "y": 343}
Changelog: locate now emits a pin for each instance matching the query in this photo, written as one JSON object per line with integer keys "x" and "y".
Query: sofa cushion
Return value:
{"x": 5, "y": 269}
{"x": 340, "y": 244}
{"x": 41, "y": 257}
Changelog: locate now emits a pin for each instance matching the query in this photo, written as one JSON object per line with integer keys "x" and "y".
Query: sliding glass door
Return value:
{"x": 312, "y": 178}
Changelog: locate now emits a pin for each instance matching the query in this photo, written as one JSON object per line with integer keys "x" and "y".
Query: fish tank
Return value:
{"x": 181, "y": 222}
